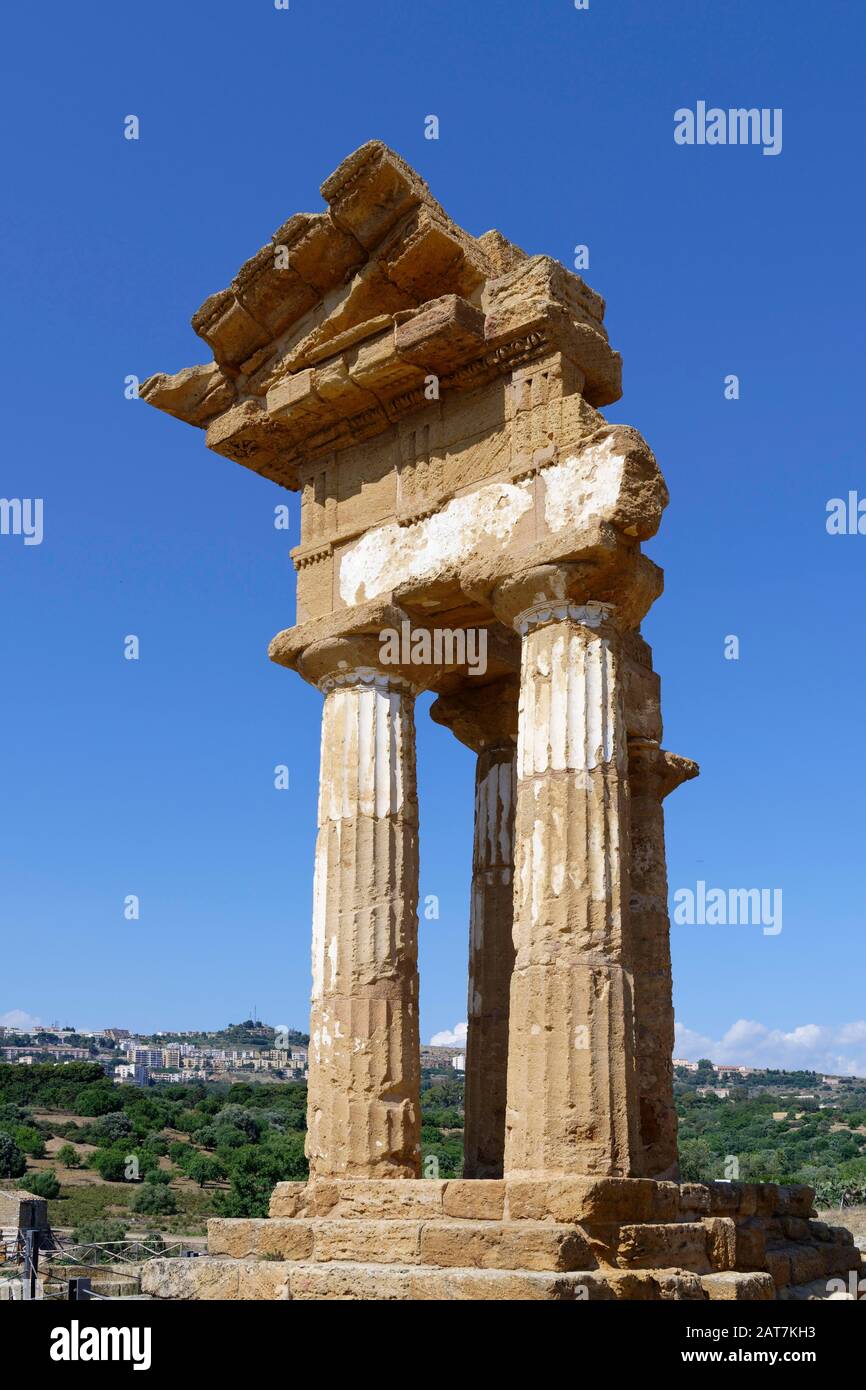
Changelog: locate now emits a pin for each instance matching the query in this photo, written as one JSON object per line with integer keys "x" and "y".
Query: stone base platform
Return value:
{"x": 570, "y": 1239}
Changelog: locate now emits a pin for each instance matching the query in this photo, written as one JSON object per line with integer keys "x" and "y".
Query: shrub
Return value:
{"x": 154, "y": 1200}
{"x": 96, "y": 1234}
{"x": 42, "y": 1184}
{"x": 69, "y": 1156}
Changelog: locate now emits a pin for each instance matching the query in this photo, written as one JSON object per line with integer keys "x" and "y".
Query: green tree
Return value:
{"x": 110, "y": 1164}
{"x": 12, "y": 1161}
{"x": 100, "y": 1099}
{"x": 109, "y": 1128}
{"x": 203, "y": 1168}
{"x": 239, "y": 1118}
{"x": 255, "y": 1170}
{"x": 68, "y": 1155}
{"x": 29, "y": 1141}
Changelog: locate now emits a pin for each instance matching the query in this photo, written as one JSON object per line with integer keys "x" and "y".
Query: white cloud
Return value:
{"x": 17, "y": 1018}
{"x": 839, "y": 1051}
{"x": 454, "y": 1037}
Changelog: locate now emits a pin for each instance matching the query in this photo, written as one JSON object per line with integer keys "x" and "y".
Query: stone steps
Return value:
{"x": 525, "y": 1245}
{"x": 563, "y": 1239}
{"x": 228, "y": 1279}
{"x": 699, "y": 1247}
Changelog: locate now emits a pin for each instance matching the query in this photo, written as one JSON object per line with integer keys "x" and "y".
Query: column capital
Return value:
{"x": 593, "y": 615}
{"x": 484, "y": 718}
{"x": 653, "y": 769}
{"x": 613, "y": 591}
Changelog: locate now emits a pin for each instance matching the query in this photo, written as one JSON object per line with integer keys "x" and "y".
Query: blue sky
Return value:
{"x": 556, "y": 126}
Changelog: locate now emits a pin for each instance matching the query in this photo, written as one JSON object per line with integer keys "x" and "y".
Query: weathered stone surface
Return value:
{"x": 363, "y": 1113}
{"x": 474, "y": 1201}
{"x": 288, "y": 1199}
{"x": 729, "y": 1285}
{"x": 676, "y": 1245}
{"x": 223, "y": 1279}
{"x": 377, "y": 1200}
{"x": 249, "y": 1238}
{"x": 588, "y": 1201}
{"x": 572, "y": 1098}
{"x": 503, "y": 1245}
{"x": 491, "y": 964}
{"x": 652, "y": 774}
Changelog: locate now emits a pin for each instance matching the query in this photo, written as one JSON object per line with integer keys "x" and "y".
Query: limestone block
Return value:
{"x": 838, "y": 1259}
{"x": 288, "y": 1199}
{"x": 794, "y": 1199}
{"x": 587, "y": 1201}
{"x": 795, "y": 1228}
{"x": 503, "y": 1245}
{"x": 350, "y": 1282}
{"x": 208, "y": 1279}
{"x": 474, "y": 1200}
{"x": 371, "y": 190}
{"x": 694, "y": 1199}
{"x": 730, "y": 1199}
{"x": 382, "y": 1242}
{"x": 807, "y": 1262}
{"x": 320, "y": 253}
{"x": 482, "y": 1285}
{"x": 677, "y": 1244}
{"x": 229, "y": 329}
{"x": 272, "y": 292}
{"x": 778, "y": 1264}
{"x": 441, "y": 335}
{"x": 729, "y": 1285}
{"x": 380, "y": 1199}
{"x": 721, "y": 1242}
{"x": 287, "y": 1239}
{"x": 196, "y": 394}
{"x": 751, "y": 1244}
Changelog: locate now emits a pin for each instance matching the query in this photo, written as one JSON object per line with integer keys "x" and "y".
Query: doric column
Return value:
{"x": 486, "y": 720}
{"x": 363, "y": 1107}
{"x": 491, "y": 962}
{"x": 653, "y": 773}
{"x": 572, "y": 1080}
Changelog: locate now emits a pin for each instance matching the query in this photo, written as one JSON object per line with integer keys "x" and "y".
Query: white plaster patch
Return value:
{"x": 320, "y": 896}
{"x": 391, "y": 554}
{"x": 583, "y": 487}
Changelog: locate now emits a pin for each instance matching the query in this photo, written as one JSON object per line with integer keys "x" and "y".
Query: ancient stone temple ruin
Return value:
{"x": 434, "y": 397}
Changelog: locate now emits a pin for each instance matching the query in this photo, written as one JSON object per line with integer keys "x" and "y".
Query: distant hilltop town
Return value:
{"x": 144, "y": 1059}
{"x": 232, "y": 1053}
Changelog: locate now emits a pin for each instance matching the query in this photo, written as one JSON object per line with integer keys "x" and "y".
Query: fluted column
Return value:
{"x": 572, "y": 1080}
{"x": 491, "y": 961}
{"x": 363, "y": 1107}
{"x": 653, "y": 773}
{"x": 485, "y": 719}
